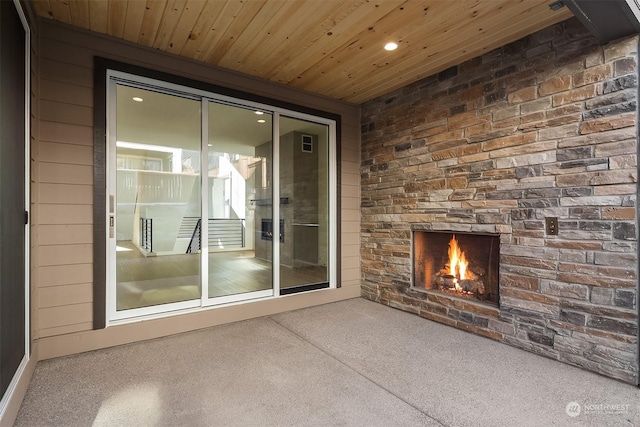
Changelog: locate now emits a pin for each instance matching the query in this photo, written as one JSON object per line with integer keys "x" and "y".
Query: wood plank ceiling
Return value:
{"x": 329, "y": 47}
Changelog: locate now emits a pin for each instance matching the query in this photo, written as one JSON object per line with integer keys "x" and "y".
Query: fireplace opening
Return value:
{"x": 267, "y": 230}
{"x": 459, "y": 264}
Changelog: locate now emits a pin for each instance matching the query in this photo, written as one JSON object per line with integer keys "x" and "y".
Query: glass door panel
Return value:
{"x": 158, "y": 198}
{"x": 12, "y": 195}
{"x": 304, "y": 211}
{"x": 192, "y": 183}
{"x": 240, "y": 213}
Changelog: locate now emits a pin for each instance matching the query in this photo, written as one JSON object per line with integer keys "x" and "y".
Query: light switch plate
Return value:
{"x": 551, "y": 226}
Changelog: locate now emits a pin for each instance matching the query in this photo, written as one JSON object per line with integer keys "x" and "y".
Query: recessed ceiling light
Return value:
{"x": 259, "y": 113}
{"x": 137, "y": 99}
{"x": 391, "y": 46}
{"x": 262, "y": 121}
{"x": 209, "y": 145}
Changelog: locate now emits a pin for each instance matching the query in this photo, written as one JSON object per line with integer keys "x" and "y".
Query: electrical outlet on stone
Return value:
{"x": 551, "y": 226}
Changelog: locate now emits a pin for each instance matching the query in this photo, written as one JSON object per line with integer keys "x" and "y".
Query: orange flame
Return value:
{"x": 457, "y": 260}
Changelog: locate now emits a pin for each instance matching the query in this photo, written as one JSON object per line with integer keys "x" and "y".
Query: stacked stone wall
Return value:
{"x": 543, "y": 127}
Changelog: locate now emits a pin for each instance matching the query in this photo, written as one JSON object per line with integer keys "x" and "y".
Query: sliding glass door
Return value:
{"x": 206, "y": 193}
{"x": 304, "y": 185}
{"x": 14, "y": 197}
{"x": 240, "y": 151}
{"x": 157, "y": 198}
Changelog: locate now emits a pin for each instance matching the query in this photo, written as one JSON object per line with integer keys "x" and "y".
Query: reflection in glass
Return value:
{"x": 304, "y": 185}
{"x": 157, "y": 199}
{"x": 161, "y": 236}
{"x": 240, "y": 193}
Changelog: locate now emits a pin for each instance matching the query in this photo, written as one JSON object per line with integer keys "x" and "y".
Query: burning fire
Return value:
{"x": 457, "y": 261}
{"x": 460, "y": 275}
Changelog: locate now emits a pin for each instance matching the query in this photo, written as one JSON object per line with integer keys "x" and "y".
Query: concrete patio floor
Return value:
{"x": 351, "y": 363}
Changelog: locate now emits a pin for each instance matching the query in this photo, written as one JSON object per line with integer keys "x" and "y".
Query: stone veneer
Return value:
{"x": 542, "y": 127}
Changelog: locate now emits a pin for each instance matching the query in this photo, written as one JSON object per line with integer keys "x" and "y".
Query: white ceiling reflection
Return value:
{"x": 174, "y": 121}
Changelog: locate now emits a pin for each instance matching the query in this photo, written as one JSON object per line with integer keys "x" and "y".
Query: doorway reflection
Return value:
{"x": 157, "y": 191}
{"x": 239, "y": 174}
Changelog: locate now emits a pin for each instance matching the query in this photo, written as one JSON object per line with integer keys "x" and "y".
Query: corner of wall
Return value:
{"x": 8, "y": 416}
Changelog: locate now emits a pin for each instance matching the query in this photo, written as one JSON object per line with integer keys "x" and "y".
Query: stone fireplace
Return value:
{"x": 459, "y": 264}
{"x": 533, "y": 145}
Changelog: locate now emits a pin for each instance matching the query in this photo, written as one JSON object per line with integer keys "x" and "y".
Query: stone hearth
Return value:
{"x": 541, "y": 129}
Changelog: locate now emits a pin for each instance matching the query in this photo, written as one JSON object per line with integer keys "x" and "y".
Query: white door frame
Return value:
{"x": 132, "y": 315}
{"x": 4, "y": 399}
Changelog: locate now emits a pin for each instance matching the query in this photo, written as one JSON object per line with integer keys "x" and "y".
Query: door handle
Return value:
{"x": 111, "y": 212}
